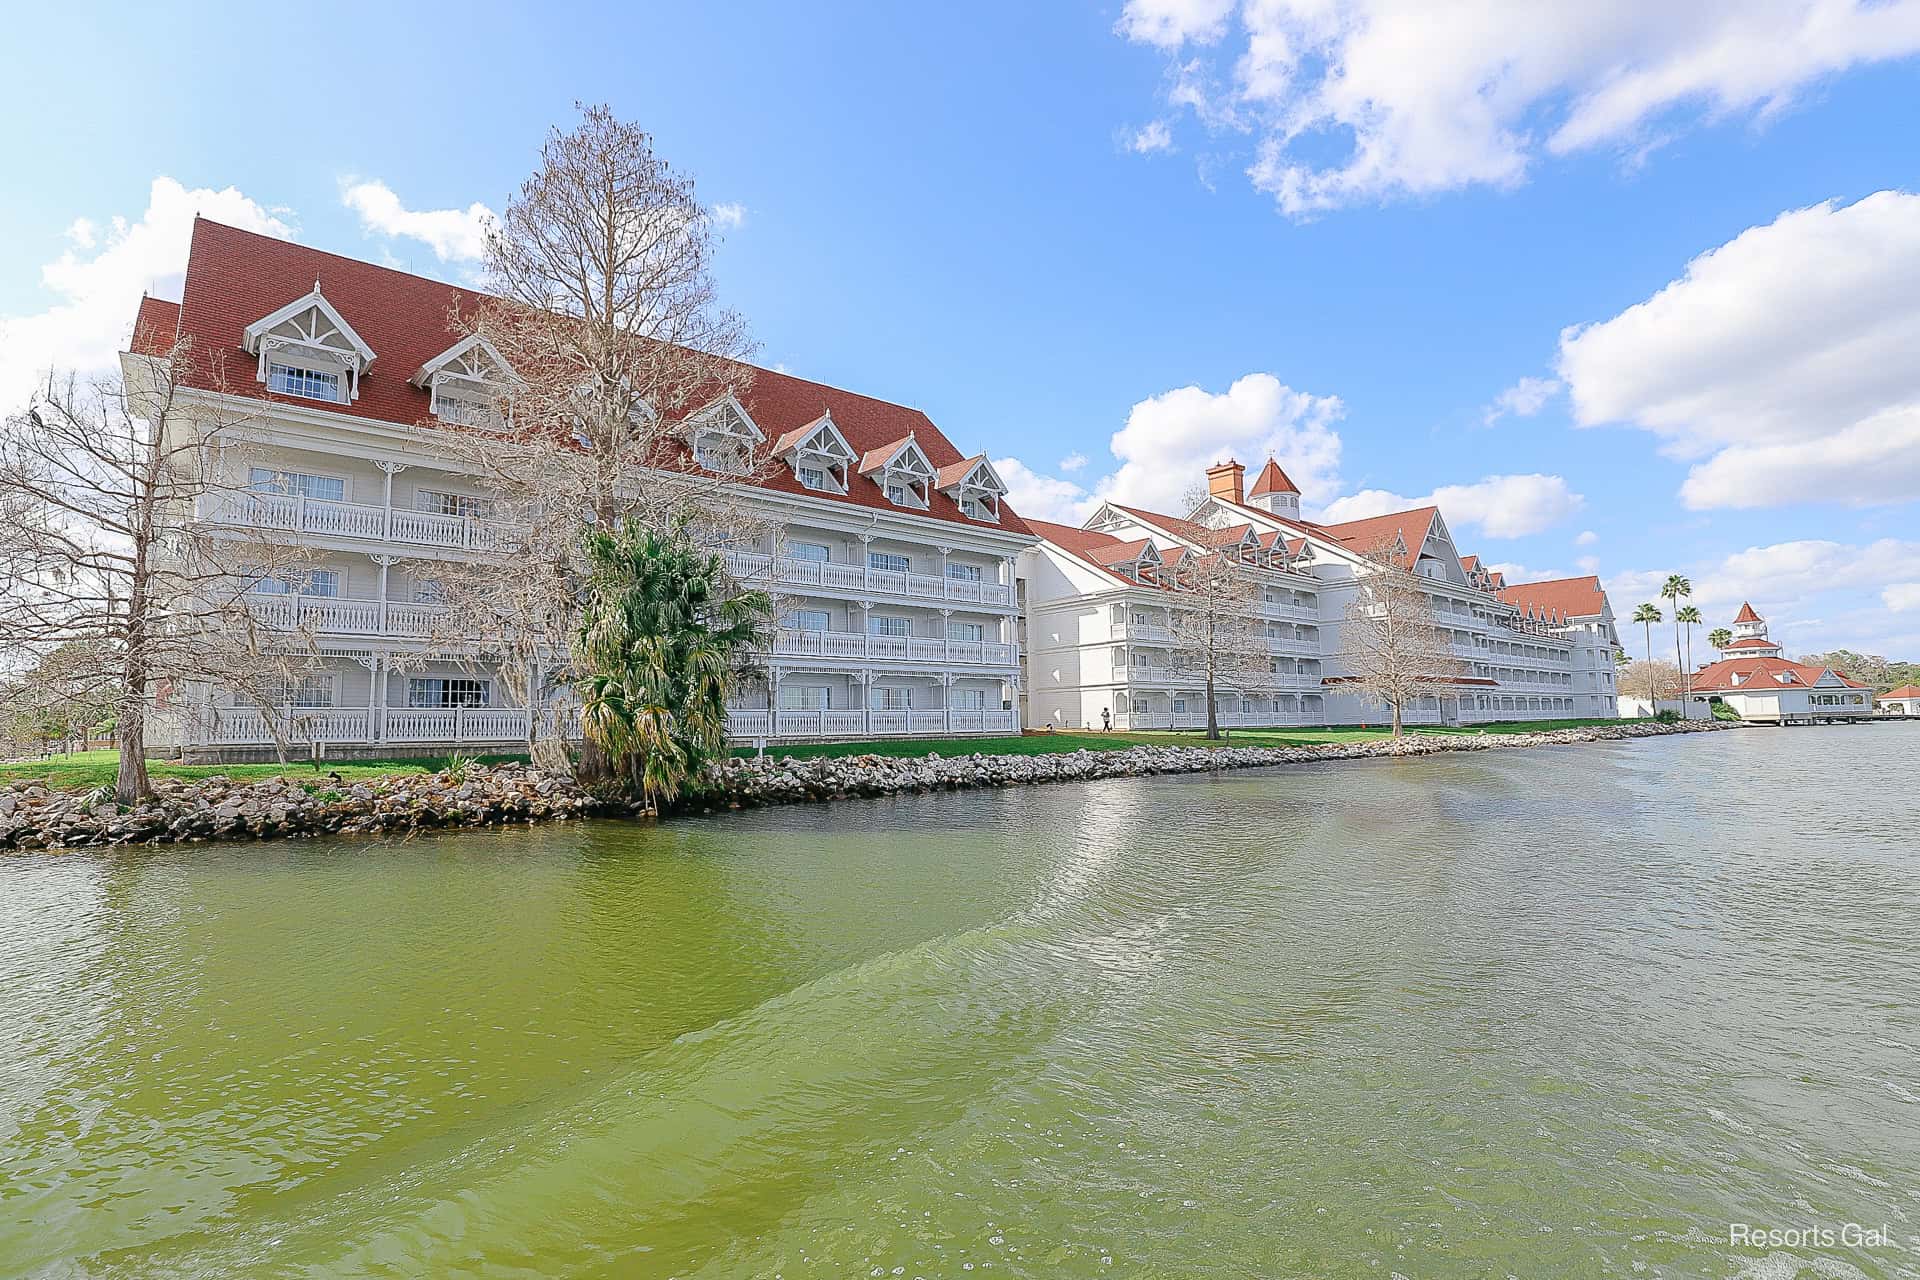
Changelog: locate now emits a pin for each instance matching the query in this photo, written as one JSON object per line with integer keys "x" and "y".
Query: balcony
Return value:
{"x": 790, "y": 642}
{"x": 1290, "y": 612}
{"x": 366, "y": 726}
{"x": 1142, "y": 632}
{"x": 1297, "y": 646}
{"x": 772, "y": 572}
{"x": 288, "y": 513}
{"x": 863, "y": 723}
{"x": 334, "y": 615}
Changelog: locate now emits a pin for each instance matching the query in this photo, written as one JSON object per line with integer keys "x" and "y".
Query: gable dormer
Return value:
{"x": 975, "y": 487}
{"x": 819, "y": 455}
{"x": 466, "y": 382}
{"x": 308, "y": 349}
{"x": 902, "y": 471}
{"x": 724, "y": 435}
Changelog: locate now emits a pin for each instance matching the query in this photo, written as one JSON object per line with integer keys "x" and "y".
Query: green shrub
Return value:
{"x": 1667, "y": 717}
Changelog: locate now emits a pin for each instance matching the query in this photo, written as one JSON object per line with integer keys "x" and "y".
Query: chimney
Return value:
{"x": 1227, "y": 480}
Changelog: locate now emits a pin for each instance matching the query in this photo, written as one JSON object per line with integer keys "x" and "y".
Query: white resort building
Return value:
{"x": 894, "y": 571}
{"x": 1101, "y": 644}
{"x": 1904, "y": 701}
{"x": 1760, "y": 685}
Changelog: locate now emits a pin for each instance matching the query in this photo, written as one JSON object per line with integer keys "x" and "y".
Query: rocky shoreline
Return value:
{"x": 32, "y": 816}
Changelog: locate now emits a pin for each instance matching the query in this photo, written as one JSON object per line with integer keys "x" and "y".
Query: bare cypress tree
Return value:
{"x": 618, "y": 360}
{"x": 107, "y": 561}
{"x": 1393, "y": 649}
{"x": 1214, "y": 630}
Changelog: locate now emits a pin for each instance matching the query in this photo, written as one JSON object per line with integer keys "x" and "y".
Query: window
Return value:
{"x": 896, "y": 493}
{"x": 313, "y": 384}
{"x": 966, "y": 631}
{"x": 889, "y": 697}
{"x": 889, "y": 561}
{"x": 297, "y": 484}
{"x": 818, "y": 477}
{"x": 314, "y": 582}
{"x": 814, "y": 551}
{"x": 448, "y": 691}
{"x": 718, "y": 451}
{"x": 964, "y": 572}
{"x": 307, "y": 691}
{"x": 806, "y": 697}
{"x": 452, "y": 504}
{"x": 886, "y": 624}
{"x": 428, "y": 591}
{"x": 810, "y": 620}
{"x": 980, "y": 508}
{"x": 460, "y": 411}
{"x": 1179, "y": 706}
{"x": 969, "y": 700}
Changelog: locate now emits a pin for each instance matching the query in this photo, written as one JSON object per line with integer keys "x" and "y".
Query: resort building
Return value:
{"x": 1103, "y": 603}
{"x": 893, "y": 563}
{"x": 1904, "y": 701}
{"x": 1761, "y": 686}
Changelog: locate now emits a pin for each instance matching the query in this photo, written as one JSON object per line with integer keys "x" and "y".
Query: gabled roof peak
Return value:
{"x": 1272, "y": 480}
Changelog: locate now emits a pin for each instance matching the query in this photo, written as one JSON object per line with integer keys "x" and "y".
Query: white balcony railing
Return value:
{"x": 1291, "y": 612}
{"x": 333, "y": 615}
{"x": 291, "y": 513}
{"x": 790, "y": 642}
{"x": 1227, "y": 719}
{"x": 864, "y": 723}
{"x": 248, "y": 726}
{"x": 772, "y": 573}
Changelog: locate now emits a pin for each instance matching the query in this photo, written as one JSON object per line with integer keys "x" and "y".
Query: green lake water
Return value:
{"x": 1562, "y": 1012}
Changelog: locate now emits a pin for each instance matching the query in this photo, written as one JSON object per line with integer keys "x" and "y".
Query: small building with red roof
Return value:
{"x": 1761, "y": 686}
{"x": 1904, "y": 701}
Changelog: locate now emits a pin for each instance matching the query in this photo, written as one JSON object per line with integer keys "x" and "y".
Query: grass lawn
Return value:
{"x": 1035, "y": 744}
{"x": 85, "y": 770}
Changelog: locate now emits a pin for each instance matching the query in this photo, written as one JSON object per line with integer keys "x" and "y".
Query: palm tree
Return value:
{"x": 1675, "y": 589}
{"x": 1690, "y": 618}
{"x": 1720, "y": 638}
{"x": 662, "y": 638}
{"x": 1648, "y": 614}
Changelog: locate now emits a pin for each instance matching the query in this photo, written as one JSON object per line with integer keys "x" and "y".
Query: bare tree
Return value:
{"x": 617, "y": 387}
{"x": 1393, "y": 649}
{"x": 106, "y": 559}
{"x": 1652, "y": 679}
{"x": 1215, "y": 633}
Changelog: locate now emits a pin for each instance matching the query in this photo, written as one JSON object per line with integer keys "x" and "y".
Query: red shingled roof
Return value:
{"x": 1272, "y": 480}
{"x": 1562, "y": 597}
{"x": 1760, "y": 674}
{"x": 1746, "y": 613}
{"x": 1365, "y": 535}
{"x": 1752, "y": 642}
{"x": 236, "y": 277}
{"x": 155, "y": 326}
{"x": 1904, "y": 692}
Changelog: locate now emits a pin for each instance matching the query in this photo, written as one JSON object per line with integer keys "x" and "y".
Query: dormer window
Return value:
{"x": 725, "y": 436}
{"x": 466, "y": 383}
{"x": 307, "y": 349}
{"x": 901, "y": 470}
{"x": 818, "y": 454}
{"x": 974, "y": 486}
{"x": 296, "y": 380}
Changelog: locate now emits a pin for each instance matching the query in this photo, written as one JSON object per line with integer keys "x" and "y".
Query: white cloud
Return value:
{"x": 1587, "y": 564}
{"x": 1901, "y": 596}
{"x": 1154, "y": 136}
{"x": 730, "y": 215}
{"x": 1496, "y": 506}
{"x": 1586, "y": 538}
{"x": 1811, "y": 591}
{"x": 1043, "y": 497}
{"x": 95, "y": 291}
{"x": 454, "y": 235}
{"x": 1170, "y": 439}
{"x": 1783, "y": 361}
{"x": 1518, "y": 573}
{"x": 1168, "y": 24}
{"x": 1522, "y": 400}
{"x": 1380, "y": 99}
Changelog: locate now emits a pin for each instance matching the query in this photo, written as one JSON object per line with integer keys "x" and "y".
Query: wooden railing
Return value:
{"x": 293, "y": 513}
{"x": 248, "y": 726}
{"x": 798, "y": 642}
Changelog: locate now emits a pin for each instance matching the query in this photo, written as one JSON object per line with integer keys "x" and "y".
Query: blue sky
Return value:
{"x": 1145, "y": 235}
